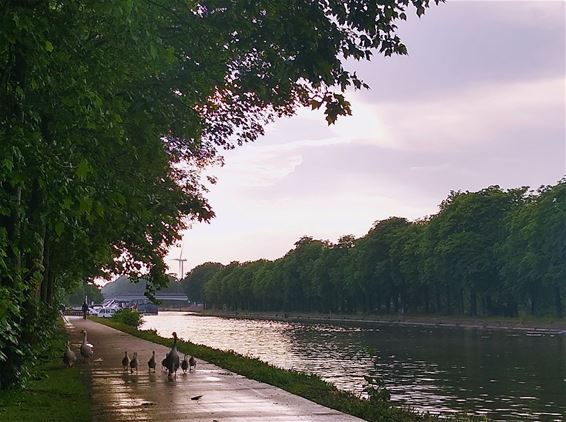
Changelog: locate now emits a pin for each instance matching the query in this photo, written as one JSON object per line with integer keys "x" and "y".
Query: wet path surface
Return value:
{"x": 118, "y": 395}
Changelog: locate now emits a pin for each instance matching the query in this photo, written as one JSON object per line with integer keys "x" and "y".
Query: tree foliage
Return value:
{"x": 109, "y": 110}
{"x": 77, "y": 296}
{"x": 491, "y": 252}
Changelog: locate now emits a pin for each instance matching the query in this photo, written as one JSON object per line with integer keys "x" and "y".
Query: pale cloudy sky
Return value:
{"x": 480, "y": 100}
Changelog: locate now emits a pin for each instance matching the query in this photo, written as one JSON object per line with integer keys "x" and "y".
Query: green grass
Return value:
{"x": 56, "y": 394}
{"x": 309, "y": 386}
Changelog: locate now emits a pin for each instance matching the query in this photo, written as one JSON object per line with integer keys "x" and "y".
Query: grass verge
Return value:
{"x": 55, "y": 394}
{"x": 308, "y": 386}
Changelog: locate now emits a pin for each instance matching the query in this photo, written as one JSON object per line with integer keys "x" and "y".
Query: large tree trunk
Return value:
{"x": 12, "y": 224}
{"x": 49, "y": 274}
{"x": 35, "y": 259}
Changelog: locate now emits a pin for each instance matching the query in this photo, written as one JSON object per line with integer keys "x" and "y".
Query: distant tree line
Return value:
{"x": 123, "y": 285}
{"x": 491, "y": 252}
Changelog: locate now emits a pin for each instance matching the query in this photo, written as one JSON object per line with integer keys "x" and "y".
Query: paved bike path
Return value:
{"x": 119, "y": 395}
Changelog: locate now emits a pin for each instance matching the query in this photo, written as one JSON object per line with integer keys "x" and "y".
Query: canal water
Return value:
{"x": 504, "y": 375}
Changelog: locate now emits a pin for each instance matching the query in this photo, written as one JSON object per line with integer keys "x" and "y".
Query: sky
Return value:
{"x": 479, "y": 101}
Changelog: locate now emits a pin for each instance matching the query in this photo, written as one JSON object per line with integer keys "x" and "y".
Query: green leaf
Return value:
{"x": 48, "y": 46}
{"x": 19, "y": 92}
{"x": 59, "y": 228}
{"x": 67, "y": 203}
{"x": 128, "y": 6}
{"x": 99, "y": 209}
{"x": 8, "y": 164}
{"x": 170, "y": 54}
{"x": 85, "y": 204}
{"x": 153, "y": 51}
{"x": 83, "y": 169}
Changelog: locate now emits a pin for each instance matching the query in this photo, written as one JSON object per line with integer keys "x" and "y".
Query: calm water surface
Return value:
{"x": 504, "y": 375}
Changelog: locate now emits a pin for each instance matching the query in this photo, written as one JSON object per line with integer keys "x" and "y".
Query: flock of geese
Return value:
{"x": 171, "y": 363}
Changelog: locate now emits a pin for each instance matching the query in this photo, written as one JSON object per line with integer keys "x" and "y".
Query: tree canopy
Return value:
{"x": 109, "y": 111}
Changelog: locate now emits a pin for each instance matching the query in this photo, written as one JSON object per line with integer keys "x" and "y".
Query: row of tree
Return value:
{"x": 109, "y": 110}
{"x": 491, "y": 252}
{"x": 84, "y": 291}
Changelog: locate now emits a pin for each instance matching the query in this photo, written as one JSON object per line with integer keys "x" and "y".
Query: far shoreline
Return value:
{"x": 528, "y": 324}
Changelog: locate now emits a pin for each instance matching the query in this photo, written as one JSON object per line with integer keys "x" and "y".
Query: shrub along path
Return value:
{"x": 119, "y": 395}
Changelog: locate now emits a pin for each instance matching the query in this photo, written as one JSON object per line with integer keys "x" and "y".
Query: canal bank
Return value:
{"x": 554, "y": 326}
{"x": 209, "y": 393}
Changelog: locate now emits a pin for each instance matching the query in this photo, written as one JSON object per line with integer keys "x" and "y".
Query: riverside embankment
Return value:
{"x": 550, "y": 325}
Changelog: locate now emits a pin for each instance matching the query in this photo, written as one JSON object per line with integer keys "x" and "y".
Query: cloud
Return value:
{"x": 498, "y": 134}
{"x": 459, "y": 45}
{"x": 474, "y": 118}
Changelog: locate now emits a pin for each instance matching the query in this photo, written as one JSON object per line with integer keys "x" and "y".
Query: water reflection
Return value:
{"x": 498, "y": 374}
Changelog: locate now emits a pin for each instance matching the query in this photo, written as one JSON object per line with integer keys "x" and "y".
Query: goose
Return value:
{"x": 192, "y": 363}
{"x": 151, "y": 362}
{"x": 134, "y": 363}
{"x": 69, "y": 357}
{"x": 125, "y": 361}
{"x": 185, "y": 364}
{"x": 86, "y": 348}
{"x": 164, "y": 363}
{"x": 172, "y": 360}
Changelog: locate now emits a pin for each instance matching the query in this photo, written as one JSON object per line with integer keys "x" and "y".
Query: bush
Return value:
{"x": 129, "y": 317}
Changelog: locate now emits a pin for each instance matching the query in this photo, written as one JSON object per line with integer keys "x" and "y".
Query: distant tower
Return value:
{"x": 181, "y": 264}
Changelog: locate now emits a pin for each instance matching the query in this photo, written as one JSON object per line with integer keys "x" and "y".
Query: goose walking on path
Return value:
{"x": 125, "y": 361}
{"x": 151, "y": 362}
{"x": 86, "y": 348}
{"x": 192, "y": 363}
{"x": 69, "y": 357}
{"x": 134, "y": 363}
{"x": 185, "y": 364}
{"x": 172, "y": 361}
{"x": 164, "y": 363}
